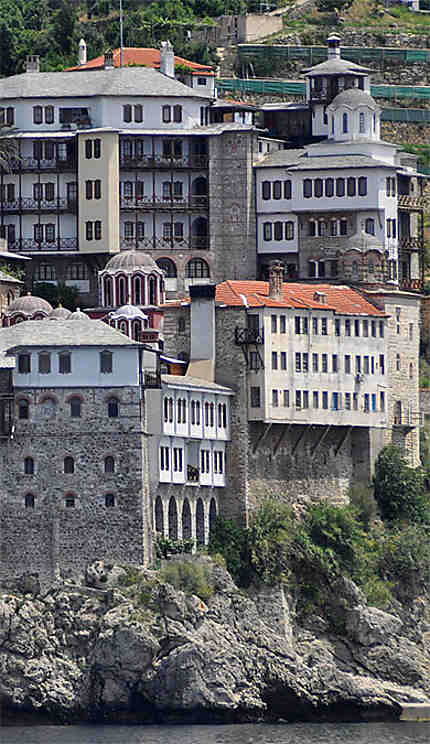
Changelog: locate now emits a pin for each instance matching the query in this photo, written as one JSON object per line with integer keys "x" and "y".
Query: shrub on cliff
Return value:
{"x": 399, "y": 489}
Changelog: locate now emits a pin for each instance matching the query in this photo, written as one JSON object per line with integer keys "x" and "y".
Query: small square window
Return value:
{"x": 106, "y": 362}
{"x": 109, "y": 500}
{"x": 24, "y": 364}
{"x": 44, "y": 363}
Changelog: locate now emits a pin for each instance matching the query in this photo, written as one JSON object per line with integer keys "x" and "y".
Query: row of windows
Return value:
{"x": 64, "y": 362}
{"x": 171, "y": 113}
{"x": 132, "y": 113}
{"x": 356, "y": 327}
{"x": 49, "y": 405}
{"x": 320, "y": 363}
{"x": 333, "y": 227}
{"x": 336, "y": 401}
{"x": 48, "y": 272}
{"x": 69, "y": 500}
{"x": 49, "y": 150}
{"x": 276, "y": 189}
{"x": 169, "y": 189}
{"x": 198, "y": 412}
{"x": 43, "y": 113}
{"x": 278, "y": 230}
{"x": 7, "y": 116}
{"x": 173, "y": 458}
{"x": 329, "y": 187}
{"x": 170, "y": 230}
{"x": 68, "y": 465}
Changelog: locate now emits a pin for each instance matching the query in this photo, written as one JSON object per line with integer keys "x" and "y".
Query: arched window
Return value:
{"x": 186, "y": 520}
{"x": 362, "y": 123}
{"x": 152, "y": 290}
{"x": 197, "y": 268}
{"x": 123, "y": 326}
{"x": 29, "y": 501}
{"x": 354, "y": 267}
{"x": 109, "y": 464}
{"x": 199, "y": 186}
{"x": 411, "y": 371}
{"x": 212, "y": 515}
{"x": 345, "y": 123}
{"x": 289, "y": 230}
{"x": 318, "y": 187}
{"x": 199, "y": 232}
{"x": 28, "y": 466}
{"x": 108, "y": 291}
{"x": 109, "y": 500}
{"x": 122, "y": 291}
{"x": 113, "y": 408}
{"x": 136, "y": 329}
{"x": 312, "y": 229}
{"x": 168, "y": 267}
{"x": 159, "y": 516}
{"x": 173, "y": 519}
{"x": 69, "y": 500}
{"x": 69, "y": 465}
{"x": 23, "y": 409}
{"x": 371, "y": 267}
{"x": 48, "y": 407}
{"x": 138, "y": 293}
{"x": 370, "y": 226}
{"x": 200, "y": 523}
{"x": 75, "y": 407}
{"x": 322, "y": 228}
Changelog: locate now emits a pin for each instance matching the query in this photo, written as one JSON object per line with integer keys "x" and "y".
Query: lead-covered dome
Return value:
{"x": 353, "y": 97}
{"x": 78, "y": 315}
{"x": 60, "y": 313}
{"x": 130, "y": 261}
{"x": 29, "y": 305}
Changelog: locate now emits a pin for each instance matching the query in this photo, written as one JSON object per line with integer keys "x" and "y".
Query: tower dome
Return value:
{"x": 353, "y": 114}
{"x": 129, "y": 261}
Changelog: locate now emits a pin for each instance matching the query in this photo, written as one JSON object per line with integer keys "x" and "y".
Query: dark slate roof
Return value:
{"x": 354, "y": 97}
{"x": 298, "y": 160}
{"x": 124, "y": 81}
{"x": 337, "y": 66}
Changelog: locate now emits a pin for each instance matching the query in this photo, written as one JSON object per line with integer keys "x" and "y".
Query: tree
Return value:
{"x": 399, "y": 489}
{"x": 58, "y": 294}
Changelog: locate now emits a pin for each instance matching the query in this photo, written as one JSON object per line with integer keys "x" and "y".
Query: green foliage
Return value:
{"x": 190, "y": 577}
{"x": 362, "y": 499}
{"x": 405, "y": 559}
{"x": 269, "y": 540}
{"x": 378, "y": 592}
{"x": 229, "y": 539}
{"x": 399, "y": 489}
{"x": 17, "y": 272}
{"x": 58, "y": 294}
{"x": 165, "y": 547}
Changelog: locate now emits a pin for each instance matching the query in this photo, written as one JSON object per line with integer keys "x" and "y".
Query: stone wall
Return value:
{"x": 52, "y": 538}
{"x": 405, "y": 132}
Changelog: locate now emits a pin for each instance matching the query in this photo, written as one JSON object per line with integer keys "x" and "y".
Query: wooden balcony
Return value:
{"x": 60, "y": 204}
{"x": 200, "y": 243}
{"x": 28, "y": 245}
{"x": 180, "y": 204}
{"x": 156, "y": 162}
{"x": 33, "y": 164}
{"x": 411, "y": 285}
{"x": 409, "y": 201}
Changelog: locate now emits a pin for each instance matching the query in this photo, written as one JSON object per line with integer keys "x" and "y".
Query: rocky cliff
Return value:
{"x": 138, "y": 649}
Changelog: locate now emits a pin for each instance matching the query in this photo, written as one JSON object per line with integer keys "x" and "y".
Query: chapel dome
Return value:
{"x": 128, "y": 312}
{"x": 354, "y": 97}
{"x": 78, "y": 315}
{"x": 364, "y": 241}
{"x": 28, "y": 305}
{"x": 131, "y": 260}
{"x": 60, "y": 313}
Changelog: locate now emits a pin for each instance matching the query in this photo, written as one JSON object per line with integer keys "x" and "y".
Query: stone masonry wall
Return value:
{"x": 52, "y": 538}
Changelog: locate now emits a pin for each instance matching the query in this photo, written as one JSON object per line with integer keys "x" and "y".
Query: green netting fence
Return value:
{"x": 312, "y": 55}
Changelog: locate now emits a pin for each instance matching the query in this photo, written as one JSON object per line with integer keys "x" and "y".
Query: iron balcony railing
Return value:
{"x": 25, "y": 245}
{"x": 25, "y": 204}
{"x": 54, "y": 164}
{"x": 248, "y": 336}
{"x": 408, "y": 418}
{"x": 414, "y": 285}
{"x": 152, "y": 380}
{"x": 199, "y": 162}
{"x": 165, "y": 244}
{"x": 411, "y": 243}
{"x": 412, "y": 202}
{"x": 159, "y": 202}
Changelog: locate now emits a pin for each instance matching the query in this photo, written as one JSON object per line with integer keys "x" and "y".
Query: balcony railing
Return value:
{"x": 165, "y": 244}
{"x": 193, "y": 474}
{"x": 198, "y": 162}
{"x": 158, "y": 202}
{"x": 411, "y": 243}
{"x": 54, "y": 164}
{"x": 414, "y": 285}
{"x": 38, "y": 205}
{"x": 26, "y": 245}
{"x": 152, "y": 380}
{"x": 248, "y": 336}
{"x": 408, "y": 419}
{"x": 411, "y": 202}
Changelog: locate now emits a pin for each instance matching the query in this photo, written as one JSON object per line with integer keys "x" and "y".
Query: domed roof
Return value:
{"x": 130, "y": 260}
{"x": 78, "y": 315}
{"x": 364, "y": 241}
{"x": 354, "y": 97}
{"x": 60, "y": 313}
{"x": 28, "y": 305}
{"x": 130, "y": 312}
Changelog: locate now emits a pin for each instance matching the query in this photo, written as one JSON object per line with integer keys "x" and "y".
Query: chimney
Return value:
{"x": 276, "y": 280}
{"x": 108, "y": 62}
{"x": 32, "y": 63}
{"x": 202, "y": 360}
{"x": 82, "y": 56}
{"x": 320, "y": 297}
{"x": 333, "y": 46}
{"x": 167, "y": 59}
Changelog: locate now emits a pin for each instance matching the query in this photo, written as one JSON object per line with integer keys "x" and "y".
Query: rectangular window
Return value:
{"x": 298, "y": 362}
{"x": 287, "y": 190}
{"x": 37, "y": 114}
{"x": 325, "y": 400}
{"x": 97, "y": 148}
{"x": 50, "y": 233}
{"x": 286, "y": 398}
{"x": 347, "y": 364}
{"x": 88, "y": 189}
{"x": 177, "y": 113}
{"x": 38, "y": 233}
{"x": 97, "y": 189}
{"x": 138, "y": 113}
{"x": 366, "y": 403}
{"x": 324, "y": 326}
{"x": 283, "y": 324}
{"x": 411, "y": 331}
{"x": 266, "y": 190}
{"x": 374, "y": 402}
{"x": 65, "y": 364}
{"x": 305, "y": 399}
{"x": 324, "y": 363}
{"x": 315, "y": 326}
{"x": 357, "y": 365}
{"x": 88, "y": 149}
{"x": 381, "y": 329}
{"x": 297, "y": 324}
{"x": 274, "y": 324}
{"x": 366, "y": 365}
{"x": 106, "y": 358}
{"x": 334, "y": 363}
{"x": 274, "y": 360}
{"x": 382, "y": 400}
{"x": 305, "y": 326}
{"x": 126, "y": 113}
{"x": 166, "y": 114}
{"x": 274, "y": 398}
{"x": 24, "y": 364}
{"x": 44, "y": 363}
{"x": 365, "y": 328}
{"x": 335, "y": 400}
{"x": 315, "y": 399}
{"x": 255, "y": 397}
{"x": 381, "y": 364}
{"x": 89, "y": 230}
{"x": 314, "y": 362}
{"x": 305, "y": 362}
{"x": 49, "y": 191}
{"x": 283, "y": 360}
{"x": 357, "y": 327}
{"x": 348, "y": 401}
{"x": 298, "y": 398}
{"x": 307, "y": 188}
{"x": 10, "y": 116}
{"x": 372, "y": 365}
{"x": 347, "y": 327}
{"x": 177, "y": 459}
{"x": 355, "y": 401}
{"x": 373, "y": 325}
{"x": 337, "y": 327}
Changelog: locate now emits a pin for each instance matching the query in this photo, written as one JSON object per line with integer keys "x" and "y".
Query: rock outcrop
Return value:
{"x": 140, "y": 650}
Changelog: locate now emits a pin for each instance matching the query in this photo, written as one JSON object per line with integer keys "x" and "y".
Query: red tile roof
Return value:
{"x": 340, "y": 299}
{"x": 141, "y": 56}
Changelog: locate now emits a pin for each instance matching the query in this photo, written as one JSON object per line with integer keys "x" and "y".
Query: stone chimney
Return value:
{"x": 167, "y": 59}
{"x": 32, "y": 63}
{"x": 333, "y": 46}
{"x": 320, "y": 297}
{"x": 108, "y": 62}
{"x": 82, "y": 55}
{"x": 202, "y": 359}
{"x": 276, "y": 280}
